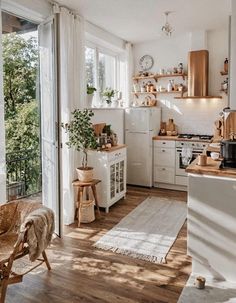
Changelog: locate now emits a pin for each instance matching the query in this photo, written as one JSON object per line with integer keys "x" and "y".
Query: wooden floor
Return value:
{"x": 83, "y": 274}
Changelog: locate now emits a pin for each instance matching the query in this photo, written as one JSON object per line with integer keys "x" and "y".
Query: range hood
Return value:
{"x": 198, "y": 70}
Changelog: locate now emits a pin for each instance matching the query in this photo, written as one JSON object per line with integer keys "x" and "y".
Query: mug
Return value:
{"x": 202, "y": 160}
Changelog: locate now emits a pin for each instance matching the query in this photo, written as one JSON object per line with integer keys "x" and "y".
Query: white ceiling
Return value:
{"x": 140, "y": 20}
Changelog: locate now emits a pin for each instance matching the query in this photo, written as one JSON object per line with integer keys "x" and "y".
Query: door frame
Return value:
{"x": 37, "y": 18}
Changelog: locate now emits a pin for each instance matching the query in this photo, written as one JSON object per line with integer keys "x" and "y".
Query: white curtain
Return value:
{"x": 129, "y": 72}
{"x": 72, "y": 92}
{"x": 2, "y": 127}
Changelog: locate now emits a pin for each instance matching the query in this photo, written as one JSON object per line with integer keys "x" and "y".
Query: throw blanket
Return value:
{"x": 40, "y": 224}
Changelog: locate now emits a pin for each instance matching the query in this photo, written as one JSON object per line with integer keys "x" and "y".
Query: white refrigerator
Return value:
{"x": 141, "y": 124}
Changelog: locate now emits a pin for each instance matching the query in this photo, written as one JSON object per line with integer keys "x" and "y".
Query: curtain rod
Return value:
{"x": 64, "y": 6}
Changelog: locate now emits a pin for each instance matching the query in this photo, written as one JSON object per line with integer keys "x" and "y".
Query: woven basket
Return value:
{"x": 87, "y": 211}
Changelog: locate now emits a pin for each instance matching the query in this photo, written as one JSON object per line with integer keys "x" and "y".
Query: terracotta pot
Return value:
{"x": 85, "y": 174}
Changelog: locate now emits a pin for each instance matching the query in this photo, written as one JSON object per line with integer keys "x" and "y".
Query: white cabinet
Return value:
{"x": 110, "y": 168}
{"x": 164, "y": 162}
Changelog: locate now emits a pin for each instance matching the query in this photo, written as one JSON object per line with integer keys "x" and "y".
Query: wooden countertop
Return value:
{"x": 212, "y": 168}
{"x": 112, "y": 149}
{"x": 173, "y": 138}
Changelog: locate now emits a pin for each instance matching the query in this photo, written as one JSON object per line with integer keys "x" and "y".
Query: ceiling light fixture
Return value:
{"x": 167, "y": 28}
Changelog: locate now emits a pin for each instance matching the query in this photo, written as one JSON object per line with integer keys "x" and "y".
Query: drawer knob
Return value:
{"x": 163, "y": 151}
{"x": 163, "y": 169}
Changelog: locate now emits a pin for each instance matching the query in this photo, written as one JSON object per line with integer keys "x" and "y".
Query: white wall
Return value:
{"x": 102, "y": 37}
{"x": 35, "y": 10}
{"x": 191, "y": 116}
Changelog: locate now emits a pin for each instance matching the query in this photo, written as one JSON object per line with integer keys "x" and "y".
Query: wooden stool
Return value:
{"x": 84, "y": 186}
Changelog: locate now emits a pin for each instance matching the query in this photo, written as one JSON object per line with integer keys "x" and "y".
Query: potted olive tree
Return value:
{"x": 82, "y": 138}
{"x": 90, "y": 93}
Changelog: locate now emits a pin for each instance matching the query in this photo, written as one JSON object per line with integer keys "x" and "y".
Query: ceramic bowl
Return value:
{"x": 215, "y": 156}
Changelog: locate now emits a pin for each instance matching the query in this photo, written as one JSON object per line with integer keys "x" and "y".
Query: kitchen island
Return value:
{"x": 212, "y": 220}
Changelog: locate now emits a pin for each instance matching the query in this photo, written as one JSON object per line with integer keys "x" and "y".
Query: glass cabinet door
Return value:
{"x": 122, "y": 174}
{"x": 117, "y": 178}
{"x": 112, "y": 181}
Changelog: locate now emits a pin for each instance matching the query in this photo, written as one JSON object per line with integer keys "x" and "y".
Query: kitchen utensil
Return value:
{"x": 136, "y": 87}
{"x": 215, "y": 156}
{"x": 98, "y": 128}
{"x": 170, "y": 125}
{"x": 200, "y": 282}
{"x": 229, "y": 123}
{"x": 228, "y": 152}
{"x": 163, "y": 129}
{"x": 202, "y": 160}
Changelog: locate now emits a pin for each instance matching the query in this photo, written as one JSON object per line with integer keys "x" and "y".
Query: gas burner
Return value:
{"x": 205, "y": 137}
{"x": 185, "y": 136}
{"x": 195, "y": 137}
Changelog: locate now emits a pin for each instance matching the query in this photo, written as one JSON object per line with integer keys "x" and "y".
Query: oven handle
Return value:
{"x": 194, "y": 152}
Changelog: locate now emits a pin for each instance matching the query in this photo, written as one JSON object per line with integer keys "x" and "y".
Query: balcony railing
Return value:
{"x": 24, "y": 173}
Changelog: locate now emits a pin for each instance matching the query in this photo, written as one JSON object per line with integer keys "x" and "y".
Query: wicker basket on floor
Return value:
{"x": 87, "y": 211}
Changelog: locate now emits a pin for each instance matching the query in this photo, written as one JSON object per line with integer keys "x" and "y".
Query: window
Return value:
{"x": 103, "y": 69}
{"x": 106, "y": 71}
{"x": 90, "y": 66}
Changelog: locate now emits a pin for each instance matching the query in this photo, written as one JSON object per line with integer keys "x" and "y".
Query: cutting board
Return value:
{"x": 98, "y": 128}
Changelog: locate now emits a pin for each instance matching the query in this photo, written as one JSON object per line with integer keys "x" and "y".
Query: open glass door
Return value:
{"x": 49, "y": 120}
{"x": 2, "y": 128}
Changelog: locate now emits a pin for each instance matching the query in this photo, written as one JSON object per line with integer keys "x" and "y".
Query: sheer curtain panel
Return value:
{"x": 129, "y": 72}
{"x": 72, "y": 92}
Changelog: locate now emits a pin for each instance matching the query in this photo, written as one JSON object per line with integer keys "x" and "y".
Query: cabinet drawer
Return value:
{"x": 164, "y": 143}
{"x": 115, "y": 155}
{"x": 164, "y": 156}
{"x": 181, "y": 180}
{"x": 164, "y": 174}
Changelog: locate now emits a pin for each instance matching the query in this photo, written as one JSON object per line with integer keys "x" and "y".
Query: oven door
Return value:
{"x": 180, "y": 167}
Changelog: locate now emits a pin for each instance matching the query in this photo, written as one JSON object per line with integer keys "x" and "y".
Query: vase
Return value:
{"x": 107, "y": 104}
{"x": 114, "y": 103}
{"x": 85, "y": 174}
{"x": 89, "y": 100}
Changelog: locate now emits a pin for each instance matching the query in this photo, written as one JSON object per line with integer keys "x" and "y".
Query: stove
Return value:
{"x": 193, "y": 137}
{"x": 188, "y": 148}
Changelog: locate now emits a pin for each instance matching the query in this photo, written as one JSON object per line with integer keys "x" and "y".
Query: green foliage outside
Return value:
{"x": 22, "y": 117}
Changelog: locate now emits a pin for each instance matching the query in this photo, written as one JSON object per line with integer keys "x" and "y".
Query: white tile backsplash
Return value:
{"x": 195, "y": 116}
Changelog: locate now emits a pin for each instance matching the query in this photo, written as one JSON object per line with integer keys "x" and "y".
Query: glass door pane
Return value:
{"x": 122, "y": 168}
{"x": 106, "y": 71}
{"x": 49, "y": 121}
{"x": 112, "y": 181}
{"x": 117, "y": 178}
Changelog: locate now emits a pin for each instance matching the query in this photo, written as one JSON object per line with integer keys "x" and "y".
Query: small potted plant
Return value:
{"x": 82, "y": 137}
{"x": 90, "y": 93}
{"x": 108, "y": 94}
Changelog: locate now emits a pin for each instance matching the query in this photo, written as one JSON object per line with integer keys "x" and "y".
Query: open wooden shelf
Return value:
{"x": 145, "y": 77}
{"x": 158, "y": 76}
{"x": 172, "y": 75}
{"x": 156, "y": 93}
{"x": 199, "y": 97}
